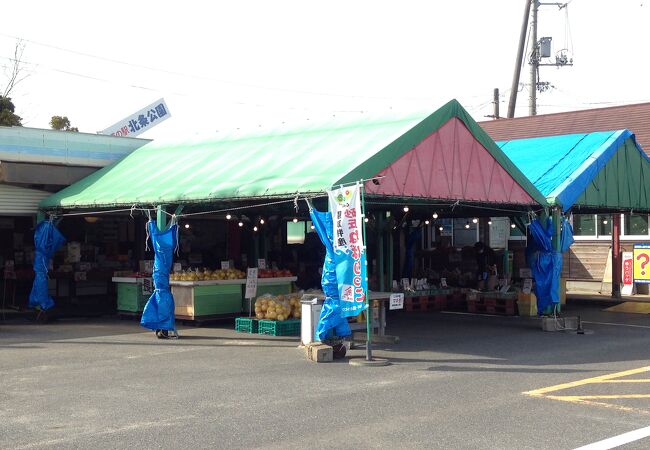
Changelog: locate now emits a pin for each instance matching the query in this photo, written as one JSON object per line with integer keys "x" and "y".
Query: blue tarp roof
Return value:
{"x": 561, "y": 167}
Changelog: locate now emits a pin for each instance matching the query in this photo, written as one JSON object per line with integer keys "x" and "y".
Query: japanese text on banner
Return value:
{"x": 349, "y": 248}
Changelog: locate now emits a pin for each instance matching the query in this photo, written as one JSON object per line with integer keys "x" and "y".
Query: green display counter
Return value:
{"x": 130, "y": 299}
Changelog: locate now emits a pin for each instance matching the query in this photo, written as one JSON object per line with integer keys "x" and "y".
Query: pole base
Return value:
{"x": 374, "y": 362}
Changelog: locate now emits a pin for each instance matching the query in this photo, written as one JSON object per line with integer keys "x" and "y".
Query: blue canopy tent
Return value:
{"x": 158, "y": 314}
{"x": 47, "y": 239}
{"x": 598, "y": 171}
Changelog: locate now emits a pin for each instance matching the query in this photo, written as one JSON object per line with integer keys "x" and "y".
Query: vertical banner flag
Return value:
{"x": 349, "y": 249}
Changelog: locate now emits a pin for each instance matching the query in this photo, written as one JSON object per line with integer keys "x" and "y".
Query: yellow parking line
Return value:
{"x": 625, "y": 381}
{"x": 570, "y": 398}
{"x": 581, "y": 401}
{"x": 600, "y": 379}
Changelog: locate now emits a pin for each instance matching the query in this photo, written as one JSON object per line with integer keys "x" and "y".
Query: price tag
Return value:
{"x": 443, "y": 282}
{"x": 251, "y": 283}
{"x": 405, "y": 283}
{"x": 396, "y": 301}
{"x": 177, "y": 267}
{"x": 525, "y": 273}
{"x": 528, "y": 285}
{"x": 225, "y": 265}
{"x": 261, "y": 263}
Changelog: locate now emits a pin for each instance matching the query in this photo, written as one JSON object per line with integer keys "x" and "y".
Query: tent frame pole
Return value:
{"x": 161, "y": 217}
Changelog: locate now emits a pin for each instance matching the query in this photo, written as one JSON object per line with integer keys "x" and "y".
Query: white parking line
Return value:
{"x": 619, "y": 440}
{"x": 615, "y": 324}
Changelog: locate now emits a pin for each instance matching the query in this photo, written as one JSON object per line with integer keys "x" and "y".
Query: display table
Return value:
{"x": 130, "y": 299}
{"x": 214, "y": 299}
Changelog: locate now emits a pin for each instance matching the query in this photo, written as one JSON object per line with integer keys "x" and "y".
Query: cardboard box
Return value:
{"x": 527, "y": 304}
{"x": 319, "y": 352}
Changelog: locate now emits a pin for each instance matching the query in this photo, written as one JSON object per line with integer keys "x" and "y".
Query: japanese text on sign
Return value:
{"x": 396, "y": 301}
{"x": 140, "y": 121}
{"x": 251, "y": 283}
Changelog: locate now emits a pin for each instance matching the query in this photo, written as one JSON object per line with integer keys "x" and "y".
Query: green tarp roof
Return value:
{"x": 266, "y": 165}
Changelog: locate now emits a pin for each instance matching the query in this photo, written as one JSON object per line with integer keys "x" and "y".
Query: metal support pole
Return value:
{"x": 390, "y": 259}
{"x": 380, "y": 252}
{"x": 556, "y": 241}
{"x": 161, "y": 217}
{"x": 616, "y": 256}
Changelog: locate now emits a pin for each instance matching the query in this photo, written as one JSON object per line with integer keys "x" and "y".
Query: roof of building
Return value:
{"x": 282, "y": 163}
{"x": 635, "y": 118}
{"x": 36, "y": 145}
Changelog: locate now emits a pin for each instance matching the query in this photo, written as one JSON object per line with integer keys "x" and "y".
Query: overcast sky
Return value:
{"x": 241, "y": 64}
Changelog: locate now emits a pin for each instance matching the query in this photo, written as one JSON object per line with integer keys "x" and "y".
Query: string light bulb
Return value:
{"x": 241, "y": 224}
{"x": 441, "y": 228}
{"x": 313, "y": 227}
{"x": 406, "y": 209}
{"x": 426, "y": 222}
{"x": 604, "y": 221}
{"x": 295, "y": 220}
{"x": 262, "y": 221}
{"x": 255, "y": 228}
{"x": 475, "y": 220}
{"x": 228, "y": 216}
{"x": 513, "y": 226}
{"x": 489, "y": 222}
{"x": 467, "y": 225}
{"x": 187, "y": 225}
{"x": 365, "y": 219}
{"x": 435, "y": 215}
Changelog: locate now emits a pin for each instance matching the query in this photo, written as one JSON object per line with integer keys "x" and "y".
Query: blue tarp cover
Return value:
{"x": 331, "y": 319}
{"x": 158, "y": 313}
{"x": 561, "y": 167}
{"x": 545, "y": 262}
{"x": 46, "y": 240}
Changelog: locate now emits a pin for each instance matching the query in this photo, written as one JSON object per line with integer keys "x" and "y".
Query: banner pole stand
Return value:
{"x": 368, "y": 305}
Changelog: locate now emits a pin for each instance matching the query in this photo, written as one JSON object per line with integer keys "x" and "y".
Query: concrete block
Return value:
{"x": 319, "y": 352}
{"x": 559, "y": 323}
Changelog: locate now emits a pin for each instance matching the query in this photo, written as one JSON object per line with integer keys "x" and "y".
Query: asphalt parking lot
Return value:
{"x": 456, "y": 381}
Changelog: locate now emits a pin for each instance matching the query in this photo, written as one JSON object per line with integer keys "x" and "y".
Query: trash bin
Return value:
{"x": 310, "y": 308}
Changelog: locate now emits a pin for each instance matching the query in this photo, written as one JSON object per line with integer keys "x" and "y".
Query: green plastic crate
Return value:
{"x": 246, "y": 325}
{"x": 279, "y": 328}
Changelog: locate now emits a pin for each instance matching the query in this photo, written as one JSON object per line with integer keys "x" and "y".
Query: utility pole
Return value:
{"x": 520, "y": 57}
{"x": 496, "y": 103}
{"x": 534, "y": 61}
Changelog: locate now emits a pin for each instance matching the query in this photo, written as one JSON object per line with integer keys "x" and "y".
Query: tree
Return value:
{"x": 61, "y": 123}
{"x": 8, "y": 117}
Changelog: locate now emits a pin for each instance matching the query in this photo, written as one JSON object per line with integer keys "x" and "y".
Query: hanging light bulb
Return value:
{"x": 441, "y": 228}
{"x": 228, "y": 216}
{"x": 295, "y": 220}
{"x": 475, "y": 220}
{"x": 604, "y": 221}
{"x": 261, "y": 221}
{"x": 435, "y": 215}
{"x": 467, "y": 225}
{"x": 313, "y": 227}
{"x": 489, "y": 222}
{"x": 365, "y": 219}
{"x": 241, "y": 224}
{"x": 513, "y": 226}
{"x": 255, "y": 228}
{"x": 187, "y": 225}
{"x": 426, "y": 222}
{"x": 406, "y": 209}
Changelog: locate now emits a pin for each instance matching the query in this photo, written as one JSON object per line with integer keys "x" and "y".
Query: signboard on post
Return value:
{"x": 251, "y": 283}
{"x": 349, "y": 248}
{"x": 641, "y": 259}
{"x": 396, "y": 301}
{"x": 141, "y": 121}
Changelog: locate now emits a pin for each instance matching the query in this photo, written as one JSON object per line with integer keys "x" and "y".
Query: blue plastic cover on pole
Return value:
{"x": 158, "y": 313}
{"x": 545, "y": 262}
{"x": 46, "y": 240}
{"x": 331, "y": 316}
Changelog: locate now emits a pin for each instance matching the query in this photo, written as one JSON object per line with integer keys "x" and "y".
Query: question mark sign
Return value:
{"x": 644, "y": 263}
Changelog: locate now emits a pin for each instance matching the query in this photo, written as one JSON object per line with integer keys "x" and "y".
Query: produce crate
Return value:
{"x": 279, "y": 328}
{"x": 246, "y": 324}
